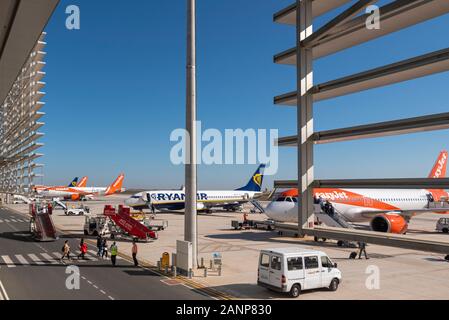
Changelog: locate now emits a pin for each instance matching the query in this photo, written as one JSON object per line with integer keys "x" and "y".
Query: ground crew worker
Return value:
{"x": 362, "y": 247}
{"x": 114, "y": 252}
{"x": 134, "y": 253}
{"x": 65, "y": 251}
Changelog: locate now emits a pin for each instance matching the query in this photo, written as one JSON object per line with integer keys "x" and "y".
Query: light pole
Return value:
{"x": 190, "y": 224}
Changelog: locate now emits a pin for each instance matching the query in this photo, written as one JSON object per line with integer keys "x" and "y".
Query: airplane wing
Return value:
{"x": 408, "y": 213}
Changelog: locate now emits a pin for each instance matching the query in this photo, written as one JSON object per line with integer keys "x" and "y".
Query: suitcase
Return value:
{"x": 353, "y": 255}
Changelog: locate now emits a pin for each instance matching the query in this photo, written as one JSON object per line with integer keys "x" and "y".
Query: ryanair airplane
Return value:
{"x": 174, "y": 200}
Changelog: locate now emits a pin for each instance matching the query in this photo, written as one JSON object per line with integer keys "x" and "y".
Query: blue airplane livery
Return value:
{"x": 231, "y": 200}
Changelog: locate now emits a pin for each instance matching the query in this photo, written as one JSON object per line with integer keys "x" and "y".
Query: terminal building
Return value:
{"x": 22, "y": 72}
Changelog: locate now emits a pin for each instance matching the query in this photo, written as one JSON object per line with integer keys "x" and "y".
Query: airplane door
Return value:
{"x": 368, "y": 202}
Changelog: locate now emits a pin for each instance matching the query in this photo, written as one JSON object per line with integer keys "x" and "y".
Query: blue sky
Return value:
{"x": 116, "y": 90}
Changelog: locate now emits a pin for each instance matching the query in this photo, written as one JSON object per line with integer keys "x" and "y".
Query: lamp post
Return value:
{"x": 190, "y": 224}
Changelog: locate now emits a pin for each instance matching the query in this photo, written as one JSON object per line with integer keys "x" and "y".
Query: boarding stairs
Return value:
{"x": 331, "y": 219}
{"x": 258, "y": 206}
{"x": 57, "y": 202}
{"x": 128, "y": 225}
{"x": 41, "y": 224}
{"x": 23, "y": 198}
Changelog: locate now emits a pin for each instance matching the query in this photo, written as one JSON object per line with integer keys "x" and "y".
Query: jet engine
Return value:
{"x": 75, "y": 197}
{"x": 200, "y": 206}
{"x": 390, "y": 223}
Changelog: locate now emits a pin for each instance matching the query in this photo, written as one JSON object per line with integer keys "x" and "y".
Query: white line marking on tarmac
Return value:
{"x": 49, "y": 258}
{"x": 93, "y": 255}
{"x": 6, "y": 220}
{"x": 57, "y": 255}
{"x": 4, "y": 294}
{"x": 22, "y": 260}
{"x": 8, "y": 262}
{"x": 35, "y": 259}
{"x": 1, "y": 221}
{"x": 111, "y": 298}
{"x": 14, "y": 220}
{"x": 102, "y": 291}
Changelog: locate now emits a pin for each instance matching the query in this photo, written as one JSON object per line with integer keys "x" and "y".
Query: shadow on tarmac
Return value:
{"x": 255, "y": 292}
{"x": 23, "y": 236}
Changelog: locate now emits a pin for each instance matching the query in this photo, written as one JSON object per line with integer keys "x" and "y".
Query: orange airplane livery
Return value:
{"x": 82, "y": 192}
{"x": 387, "y": 210}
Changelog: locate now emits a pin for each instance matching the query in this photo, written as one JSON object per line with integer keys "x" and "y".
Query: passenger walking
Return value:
{"x": 99, "y": 245}
{"x": 114, "y": 252}
{"x": 83, "y": 250}
{"x": 134, "y": 253}
{"x": 66, "y": 251}
{"x": 104, "y": 246}
{"x": 362, "y": 248}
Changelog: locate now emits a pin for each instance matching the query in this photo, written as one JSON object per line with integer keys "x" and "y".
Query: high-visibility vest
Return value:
{"x": 114, "y": 250}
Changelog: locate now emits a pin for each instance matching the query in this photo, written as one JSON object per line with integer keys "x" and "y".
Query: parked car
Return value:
{"x": 443, "y": 225}
{"x": 292, "y": 270}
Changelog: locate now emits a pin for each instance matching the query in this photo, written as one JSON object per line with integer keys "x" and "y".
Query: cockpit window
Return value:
{"x": 288, "y": 199}
{"x": 281, "y": 199}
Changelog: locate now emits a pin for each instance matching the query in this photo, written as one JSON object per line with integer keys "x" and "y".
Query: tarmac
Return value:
{"x": 390, "y": 273}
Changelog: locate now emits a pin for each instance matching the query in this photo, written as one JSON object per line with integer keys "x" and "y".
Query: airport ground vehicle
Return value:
{"x": 41, "y": 223}
{"x": 291, "y": 270}
{"x": 94, "y": 226}
{"x": 80, "y": 211}
{"x": 155, "y": 225}
{"x": 443, "y": 225}
{"x": 124, "y": 225}
{"x": 252, "y": 224}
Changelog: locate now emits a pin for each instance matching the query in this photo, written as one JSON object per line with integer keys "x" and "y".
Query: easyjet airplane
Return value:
{"x": 83, "y": 192}
{"x": 387, "y": 210}
{"x": 74, "y": 183}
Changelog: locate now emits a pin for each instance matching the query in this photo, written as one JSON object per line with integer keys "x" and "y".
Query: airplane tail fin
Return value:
{"x": 116, "y": 187}
{"x": 73, "y": 183}
{"x": 255, "y": 183}
{"x": 439, "y": 169}
{"x": 83, "y": 182}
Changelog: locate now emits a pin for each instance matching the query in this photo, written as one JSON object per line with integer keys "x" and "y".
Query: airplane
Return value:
{"x": 82, "y": 183}
{"x": 387, "y": 210}
{"x": 74, "y": 183}
{"x": 230, "y": 200}
{"x": 83, "y": 192}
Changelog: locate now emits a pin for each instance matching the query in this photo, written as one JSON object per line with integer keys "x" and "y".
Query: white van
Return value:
{"x": 292, "y": 270}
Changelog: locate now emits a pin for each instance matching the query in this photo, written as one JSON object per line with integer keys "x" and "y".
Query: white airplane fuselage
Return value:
{"x": 175, "y": 200}
{"x": 356, "y": 205}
